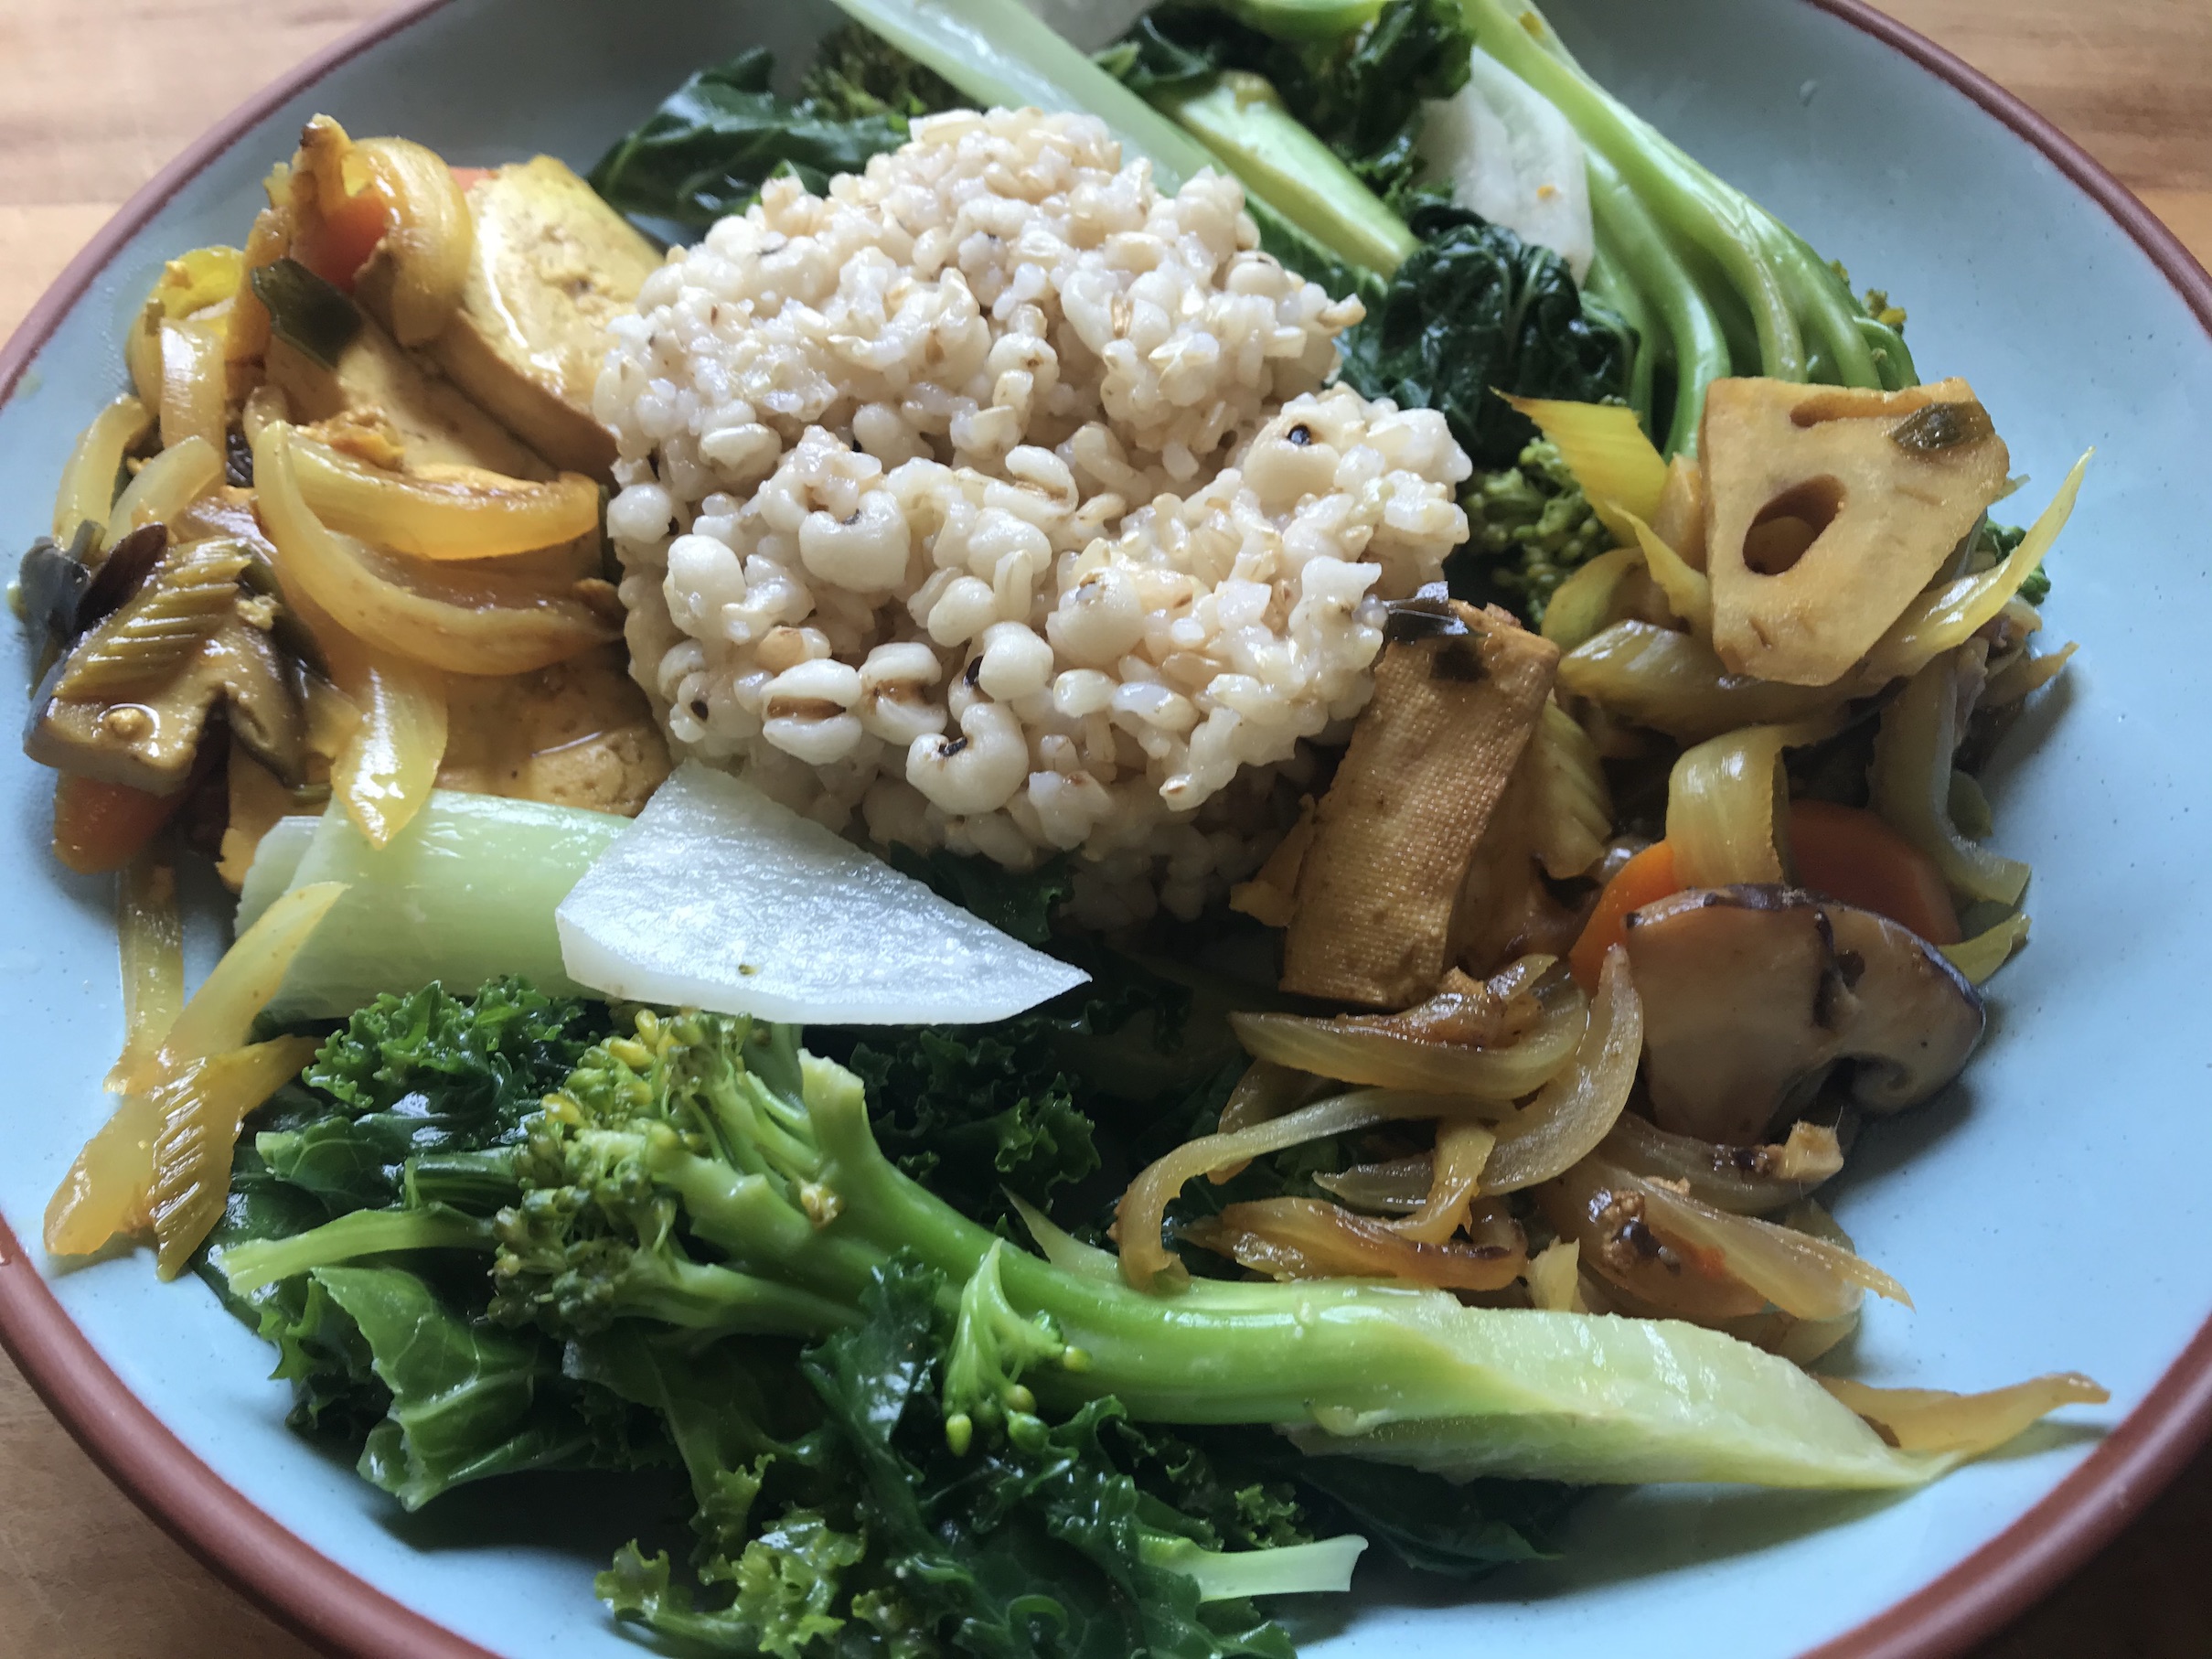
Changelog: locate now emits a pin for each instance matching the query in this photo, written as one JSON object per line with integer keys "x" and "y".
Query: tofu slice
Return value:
{"x": 376, "y": 381}
{"x": 1457, "y": 692}
{"x": 552, "y": 263}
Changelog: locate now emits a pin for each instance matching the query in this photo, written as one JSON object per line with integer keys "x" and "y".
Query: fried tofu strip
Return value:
{"x": 1457, "y": 692}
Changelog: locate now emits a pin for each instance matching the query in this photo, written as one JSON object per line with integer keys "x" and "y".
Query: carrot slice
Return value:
{"x": 1853, "y": 856}
{"x": 466, "y": 178}
{"x": 100, "y": 827}
{"x": 1643, "y": 879}
{"x": 339, "y": 244}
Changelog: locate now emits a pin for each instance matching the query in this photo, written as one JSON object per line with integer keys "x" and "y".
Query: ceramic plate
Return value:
{"x": 2024, "y": 267}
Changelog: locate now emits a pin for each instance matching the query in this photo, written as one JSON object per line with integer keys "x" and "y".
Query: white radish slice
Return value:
{"x": 719, "y": 898}
{"x": 1512, "y": 159}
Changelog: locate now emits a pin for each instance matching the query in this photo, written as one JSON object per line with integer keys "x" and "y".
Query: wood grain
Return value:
{"x": 99, "y": 93}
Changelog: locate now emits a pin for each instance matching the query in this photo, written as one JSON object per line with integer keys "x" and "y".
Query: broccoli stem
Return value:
{"x": 264, "y": 1261}
{"x": 1466, "y": 1388}
{"x": 1290, "y": 1569}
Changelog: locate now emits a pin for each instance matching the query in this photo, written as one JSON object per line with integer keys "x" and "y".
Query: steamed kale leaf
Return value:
{"x": 1475, "y": 312}
{"x": 706, "y": 152}
{"x": 422, "y": 1078}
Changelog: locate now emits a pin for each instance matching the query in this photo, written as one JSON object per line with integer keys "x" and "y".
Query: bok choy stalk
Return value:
{"x": 721, "y": 1132}
{"x": 1715, "y": 284}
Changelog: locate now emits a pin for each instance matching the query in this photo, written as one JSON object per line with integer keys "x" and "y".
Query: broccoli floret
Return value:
{"x": 858, "y": 73}
{"x": 1531, "y": 527}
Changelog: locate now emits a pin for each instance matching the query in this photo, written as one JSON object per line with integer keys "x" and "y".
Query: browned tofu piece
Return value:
{"x": 552, "y": 263}
{"x": 1457, "y": 692}
{"x": 579, "y": 733}
{"x": 378, "y": 380}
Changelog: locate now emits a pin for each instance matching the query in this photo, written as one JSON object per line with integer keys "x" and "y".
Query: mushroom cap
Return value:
{"x": 1755, "y": 995}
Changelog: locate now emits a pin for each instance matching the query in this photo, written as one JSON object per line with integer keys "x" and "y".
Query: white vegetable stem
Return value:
{"x": 1515, "y": 159}
{"x": 719, "y": 898}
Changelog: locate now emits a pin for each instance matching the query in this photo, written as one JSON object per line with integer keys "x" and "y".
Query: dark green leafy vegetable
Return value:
{"x": 706, "y": 150}
{"x": 1361, "y": 92}
{"x": 430, "y": 1079}
{"x": 1477, "y": 312}
{"x": 1020, "y": 902}
{"x": 858, "y": 74}
{"x": 306, "y": 312}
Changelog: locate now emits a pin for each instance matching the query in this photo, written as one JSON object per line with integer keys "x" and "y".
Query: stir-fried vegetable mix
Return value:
{"x": 1444, "y": 1081}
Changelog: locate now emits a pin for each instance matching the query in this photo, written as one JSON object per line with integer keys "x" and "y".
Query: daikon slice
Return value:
{"x": 1511, "y": 157}
{"x": 719, "y": 898}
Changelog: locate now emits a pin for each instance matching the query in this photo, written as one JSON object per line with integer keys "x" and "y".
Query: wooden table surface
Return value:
{"x": 97, "y": 94}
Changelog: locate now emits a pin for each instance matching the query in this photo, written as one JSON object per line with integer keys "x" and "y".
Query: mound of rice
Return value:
{"x": 995, "y": 501}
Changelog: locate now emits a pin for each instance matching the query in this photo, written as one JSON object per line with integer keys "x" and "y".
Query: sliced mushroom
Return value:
{"x": 130, "y": 702}
{"x": 1754, "y": 995}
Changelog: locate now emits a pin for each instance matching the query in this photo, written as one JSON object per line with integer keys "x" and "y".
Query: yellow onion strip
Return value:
{"x": 1642, "y": 1275}
{"x": 2025, "y": 674}
{"x": 202, "y": 1109}
{"x": 88, "y": 477}
{"x": 1799, "y": 1274}
{"x": 150, "y": 939}
{"x": 1572, "y": 1113}
{"x": 165, "y": 486}
{"x": 188, "y": 285}
{"x": 1554, "y": 1277}
{"x": 1605, "y": 447}
{"x": 1912, "y": 776}
{"x": 471, "y": 624}
{"x": 1726, "y": 805}
{"x": 1947, "y": 617}
{"x": 106, "y": 1191}
{"x": 1144, "y": 1257}
{"x": 1963, "y": 1425}
{"x": 1582, "y": 607}
{"x": 1312, "y": 1239}
{"x": 222, "y": 1011}
{"x": 1742, "y": 1180}
{"x": 446, "y": 512}
{"x": 1988, "y": 950}
{"x": 1666, "y": 679}
{"x": 1455, "y": 1180}
{"x": 385, "y": 769}
{"x": 418, "y": 270}
{"x": 1689, "y": 592}
{"x": 1370, "y": 1052}
{"x": 195, "y": 382}
{"x": 1397, "y": 1187}
{"x": 1265, "y": 1091}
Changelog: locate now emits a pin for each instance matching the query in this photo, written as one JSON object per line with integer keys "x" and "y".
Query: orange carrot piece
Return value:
{"x": 339, "y": 244}
{"x": 1644, "y": 880}
{"x": 100, "y": 826}
{"x": 466, "y": 178}
{"x": 1851, "y": 855}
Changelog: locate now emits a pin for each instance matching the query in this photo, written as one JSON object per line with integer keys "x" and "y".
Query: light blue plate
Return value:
{"x": 2049, "y": 1216}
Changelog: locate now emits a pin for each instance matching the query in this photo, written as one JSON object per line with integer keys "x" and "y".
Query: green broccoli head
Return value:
{"x": 1530, "y": 527}
{"x": 858, "y": 73}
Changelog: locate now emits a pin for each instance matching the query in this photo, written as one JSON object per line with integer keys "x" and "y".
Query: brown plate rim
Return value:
{"x": 343, "y": 1614}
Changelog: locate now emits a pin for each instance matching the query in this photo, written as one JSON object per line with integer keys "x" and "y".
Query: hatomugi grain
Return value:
{"x": 997, "y": 501}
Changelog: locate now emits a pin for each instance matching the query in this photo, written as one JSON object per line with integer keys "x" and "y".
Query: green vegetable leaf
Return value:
{"x": 1477, "y": 312}
{"x": 706, "y": 150}
{"x": 1019, "y": 903}
{"x": 469, "y": 1401}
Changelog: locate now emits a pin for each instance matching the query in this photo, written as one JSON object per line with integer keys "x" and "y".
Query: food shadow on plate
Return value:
{"x": 583, "y": 1514}
{"x": 1621, "y": 1534}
